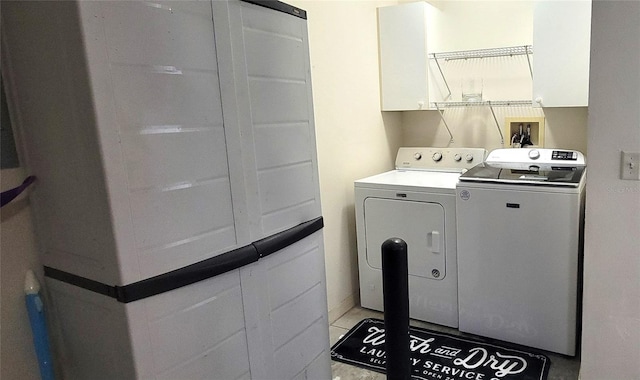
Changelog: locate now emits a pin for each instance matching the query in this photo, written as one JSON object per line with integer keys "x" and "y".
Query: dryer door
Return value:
{"x": 419, "y": 224}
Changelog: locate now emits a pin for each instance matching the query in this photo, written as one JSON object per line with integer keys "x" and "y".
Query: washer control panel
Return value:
{"x": 538, "y": 156}
{"x": 444, "y": 159}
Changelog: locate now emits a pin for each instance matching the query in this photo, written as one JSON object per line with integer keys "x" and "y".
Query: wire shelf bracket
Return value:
{"x": 487, "y": 103}
{"x": 444, "y": 120}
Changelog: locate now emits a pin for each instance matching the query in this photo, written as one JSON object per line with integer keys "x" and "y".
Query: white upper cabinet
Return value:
{"x": 561, "y": 41}
{"x": 427, "y": 52}
{"x": 402, "y": 33}
{"x": 412, "y": 35}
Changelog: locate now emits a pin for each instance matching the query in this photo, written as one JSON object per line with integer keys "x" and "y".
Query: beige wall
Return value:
{"x": 353, "y": 139}
{"x": 475, "y": 127}
{"x": 611, "y": 310}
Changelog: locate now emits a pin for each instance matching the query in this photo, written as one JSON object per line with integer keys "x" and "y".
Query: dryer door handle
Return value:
{"x": 433, "y": 240}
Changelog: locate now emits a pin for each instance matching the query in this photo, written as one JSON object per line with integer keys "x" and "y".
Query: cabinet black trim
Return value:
{"x": 79, "y": 281}
{"x": 193, "y": 273}
{"x": 163, "y": 283}
{"x": 278, "y": 241}
{"x": 280, "y": 6}
{"x": 188, "y": 275}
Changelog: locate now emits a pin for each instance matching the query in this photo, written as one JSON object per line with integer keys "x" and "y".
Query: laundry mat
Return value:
{"x": 440, "y": 356}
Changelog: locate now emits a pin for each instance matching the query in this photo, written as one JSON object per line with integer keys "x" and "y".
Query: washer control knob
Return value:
{"x": 457, "y": 157}
{"x": 437, "y": 156}
{"x": 469, "y": 157}
{"x": 417, "y": 156}
{"x": 534, "y": 154}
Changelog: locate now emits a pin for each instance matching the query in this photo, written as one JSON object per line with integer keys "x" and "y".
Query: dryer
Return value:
{"x": 414, "y": 202}
{"x": 520, "y": 220}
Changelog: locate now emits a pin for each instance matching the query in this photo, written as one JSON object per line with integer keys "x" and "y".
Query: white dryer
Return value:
{"x": 520, "y": 219}
{"x": 415, "y": 202}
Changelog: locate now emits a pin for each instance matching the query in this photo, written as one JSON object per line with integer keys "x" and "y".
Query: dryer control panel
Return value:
{"x": 439, "y": 159}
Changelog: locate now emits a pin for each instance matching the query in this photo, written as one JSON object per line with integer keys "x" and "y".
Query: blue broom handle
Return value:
{"x": 35, "y": 308}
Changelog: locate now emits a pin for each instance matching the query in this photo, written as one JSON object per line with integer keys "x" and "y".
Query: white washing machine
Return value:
{"x": 520, "y": 220}
{"x": 415, "y": 202}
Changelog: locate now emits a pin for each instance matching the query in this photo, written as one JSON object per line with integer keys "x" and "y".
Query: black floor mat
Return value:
{"x": 440, "y": 356}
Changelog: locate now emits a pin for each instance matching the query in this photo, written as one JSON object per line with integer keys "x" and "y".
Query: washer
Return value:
{"x": 520, "y": 221}
{"x": 415, "y": 202}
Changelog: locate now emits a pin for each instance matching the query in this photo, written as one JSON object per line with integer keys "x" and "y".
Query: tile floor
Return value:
{"x": 562, "y": 367}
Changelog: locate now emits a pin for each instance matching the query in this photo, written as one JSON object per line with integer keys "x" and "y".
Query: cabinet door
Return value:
{"x": 561, "y": 40}
{"x": 266, "y": 87}
{"x": 270, "y": 72}
{"x": 122, "y": 115}
{"x": 159, "y": 109}
{"x": 403, "y": 57}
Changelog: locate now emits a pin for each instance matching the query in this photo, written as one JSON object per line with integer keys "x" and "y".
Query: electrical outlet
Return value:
{"x": 630, "y": 166}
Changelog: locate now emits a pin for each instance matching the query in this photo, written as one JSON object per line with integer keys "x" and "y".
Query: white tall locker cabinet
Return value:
{"x": 177, "y": 204}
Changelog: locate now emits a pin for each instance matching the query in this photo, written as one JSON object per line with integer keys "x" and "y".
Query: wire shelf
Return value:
{"x": 480, "y": 53}
{"x": 484, "y": 53}
{"x": 491, "y": 103}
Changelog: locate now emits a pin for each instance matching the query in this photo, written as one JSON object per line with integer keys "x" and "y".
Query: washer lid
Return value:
{"x": 567, "y": 176}
{"x": 530, "y": 166}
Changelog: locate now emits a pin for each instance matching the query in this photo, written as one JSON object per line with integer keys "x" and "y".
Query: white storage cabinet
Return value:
{"x": 163, "y": 134}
